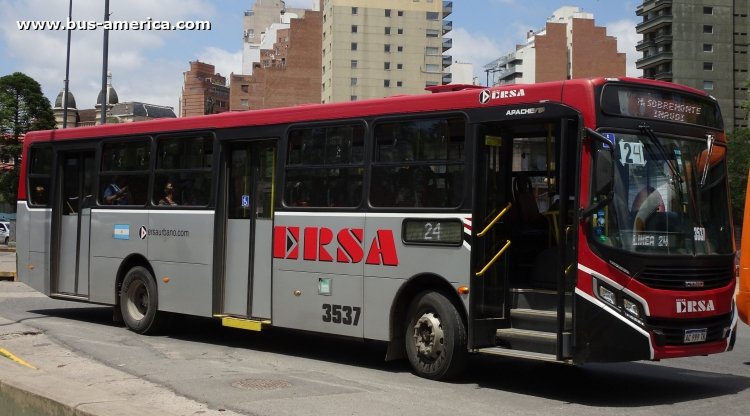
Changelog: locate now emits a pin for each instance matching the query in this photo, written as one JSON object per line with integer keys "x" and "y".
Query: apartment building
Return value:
{"x": 203, "y": 91}
{"x": 569, "y": 46}
{"x": 699, "y": 43}
{"x": 378, "y": 48}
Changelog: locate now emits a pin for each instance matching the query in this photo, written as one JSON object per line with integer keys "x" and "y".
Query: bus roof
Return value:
{"x": 442, "y": 99}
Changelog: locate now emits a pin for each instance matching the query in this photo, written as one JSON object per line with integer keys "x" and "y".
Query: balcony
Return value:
{"x": 650, "y": 6}
{"x": 653, "y": 60}
{"x": 644, "y": 44}
{"x": 447, "y": 61}
{"x": 447, "y": 26}
{"x": 447, "y": 44}
{"x": 447, "y": 78}
{"x": 653, "y": 24}
{"x": 447, "y": 8}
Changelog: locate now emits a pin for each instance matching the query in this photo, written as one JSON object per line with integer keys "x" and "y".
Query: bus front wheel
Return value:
{"x": 139, "y": 301}
{"x": 435, "y": 337}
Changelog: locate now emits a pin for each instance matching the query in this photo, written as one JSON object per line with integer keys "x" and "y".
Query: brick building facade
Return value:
{"x": 204, "y": 91}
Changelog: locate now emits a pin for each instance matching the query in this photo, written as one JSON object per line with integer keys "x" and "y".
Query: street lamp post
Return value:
{"x": 67, "y": 70}
{"x": 105, "y": 54}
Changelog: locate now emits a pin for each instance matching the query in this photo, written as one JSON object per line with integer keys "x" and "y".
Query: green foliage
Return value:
{"x": 23, "y": 108}
{"x": 738, "y": 162}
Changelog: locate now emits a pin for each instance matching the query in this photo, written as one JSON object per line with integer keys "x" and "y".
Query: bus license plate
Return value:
{"x": 695, "y": 335}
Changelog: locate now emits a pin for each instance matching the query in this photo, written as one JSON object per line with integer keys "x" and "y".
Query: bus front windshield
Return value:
{"x": 669, "y": 197}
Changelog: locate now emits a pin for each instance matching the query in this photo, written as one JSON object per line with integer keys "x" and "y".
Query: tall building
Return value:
{"x": 699, "y": 43}
{"x": 377, "y": 48}
{"x": 203, "y": 91}
{"x": 265, "y": 16}
{"x": 569, "y": 46}
{"x": 288, "y": 70}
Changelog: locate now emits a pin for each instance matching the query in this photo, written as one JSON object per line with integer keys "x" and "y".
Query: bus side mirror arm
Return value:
{"x": 603, "y": 172}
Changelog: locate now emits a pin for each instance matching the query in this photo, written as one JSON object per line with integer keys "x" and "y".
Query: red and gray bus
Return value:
{"x": 573, "y": 221}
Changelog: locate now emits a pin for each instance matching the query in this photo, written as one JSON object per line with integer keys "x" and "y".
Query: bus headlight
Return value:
{"x": 631, "y": 308}
{"x": 607, "y": 295}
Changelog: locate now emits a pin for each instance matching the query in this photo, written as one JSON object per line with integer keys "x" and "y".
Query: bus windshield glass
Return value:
{"x": 669, "y": 197}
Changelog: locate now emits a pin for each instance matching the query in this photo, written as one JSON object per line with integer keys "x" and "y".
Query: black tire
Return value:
{"x": 139, "y": 302}
{"x": 7, "y": 239}
{"x": 435, "y": 337}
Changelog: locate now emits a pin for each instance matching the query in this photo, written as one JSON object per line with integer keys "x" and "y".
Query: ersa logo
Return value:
{"x": 346, "y": 245}
{"x": 488, "y": 95}
{"x": 690, "y": 306}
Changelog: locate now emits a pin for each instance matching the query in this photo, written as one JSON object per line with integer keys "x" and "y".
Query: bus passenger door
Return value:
{"x": 72, "y": 214}
{"x": 489, "y": 281}
{"x": 248, "y": 177}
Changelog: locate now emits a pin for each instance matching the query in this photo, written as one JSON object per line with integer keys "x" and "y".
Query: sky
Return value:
{"x": 148, "y": 66}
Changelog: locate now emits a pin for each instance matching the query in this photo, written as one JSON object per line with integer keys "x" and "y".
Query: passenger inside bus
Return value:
{"x": 168, "y": 198}
{"x": 116, "y": 193}
{"x": 647, "y": 202}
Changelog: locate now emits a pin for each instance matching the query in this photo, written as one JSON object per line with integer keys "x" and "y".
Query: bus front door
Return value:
{"x": 248, "y": 178}
{"x": 72, "y": 215}
{"x": 489, "y": 285}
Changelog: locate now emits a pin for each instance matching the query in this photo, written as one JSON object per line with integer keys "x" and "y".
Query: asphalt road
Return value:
{"x": 200, "y": 368}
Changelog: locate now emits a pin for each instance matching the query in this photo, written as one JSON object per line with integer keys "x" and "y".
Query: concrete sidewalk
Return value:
{"x": 39, "y": 373}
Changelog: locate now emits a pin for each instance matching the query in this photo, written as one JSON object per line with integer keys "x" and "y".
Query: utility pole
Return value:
{"x": 67, "y": 70}
{"x": 105, "y": 54}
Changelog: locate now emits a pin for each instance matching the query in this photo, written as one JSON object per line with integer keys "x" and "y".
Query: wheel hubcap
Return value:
{"x": 137, "y": 300}
{"x": 428, "y": 336}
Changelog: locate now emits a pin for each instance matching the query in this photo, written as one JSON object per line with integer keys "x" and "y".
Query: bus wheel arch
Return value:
{"x": 410, "y": 293}
{"x": 137, "y": 296}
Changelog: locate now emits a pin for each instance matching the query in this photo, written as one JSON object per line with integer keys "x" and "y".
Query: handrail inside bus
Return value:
{"x": 497, "y": 218}
{"x": 494, "y": 259}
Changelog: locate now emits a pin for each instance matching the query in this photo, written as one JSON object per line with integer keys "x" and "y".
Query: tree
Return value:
{"x": 23, "y": 108}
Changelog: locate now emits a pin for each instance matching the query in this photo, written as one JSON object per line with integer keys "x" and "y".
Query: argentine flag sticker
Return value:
{"x": 121, "y": 232}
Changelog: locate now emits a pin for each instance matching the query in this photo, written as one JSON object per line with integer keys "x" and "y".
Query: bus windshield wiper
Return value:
{"x": 662, "y": 152}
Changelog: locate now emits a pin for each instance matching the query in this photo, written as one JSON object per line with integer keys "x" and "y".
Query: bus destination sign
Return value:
{"x": 660, "y": 105}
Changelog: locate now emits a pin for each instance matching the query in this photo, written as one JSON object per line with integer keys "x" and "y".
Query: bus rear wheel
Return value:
{"x": 139, "y": 301}
{"x": 435, "y": 337}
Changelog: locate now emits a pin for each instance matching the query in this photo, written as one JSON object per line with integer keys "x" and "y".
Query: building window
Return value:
{"x": 707, "y": 47}
{"x": 400, "y": 31}
{"x": 433, "y": 33}
{"x": 399, "y": 66}
{"x": 354, "y": 63}
{"x": 399, "y": 84}
{"x": 400, "y": 13}
{"x": 708, "y": 85}
{"x": 386, "y": 83}
{"x": 387, "y": 48}
{"x": 354, "y": 46}
{"x": 431, "y": 84}
{"x": 387, "y": 66}
{"x": 244, "y": 103}
{"x": 387, "y": 12}
{"x": 354, "y": 28}
{"x": 432, "y": 68}
{"x": 708, "y": 29}
{"x": 352, "y": 98}
{"x": 708, "y": 66}
{"x": 354, "y": 81}
{"x": 431, "y": 50}
{"x": 433, "y": 15}
{"x": 245, "y": 87}
{"x": 400, "y": 49}
{"x": 355, "y": 10}
{"x": 708, "y": 10}
{"x": 387, "y": 30}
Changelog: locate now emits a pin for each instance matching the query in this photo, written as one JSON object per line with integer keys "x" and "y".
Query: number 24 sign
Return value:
{"x": 631, "y": 153}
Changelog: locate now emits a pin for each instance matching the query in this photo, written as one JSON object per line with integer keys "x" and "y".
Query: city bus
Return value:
{"x": 743, "y": 287}
{"x": 570, "y": 222}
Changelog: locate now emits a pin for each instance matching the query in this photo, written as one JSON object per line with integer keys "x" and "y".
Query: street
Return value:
{"x": 199, "y": 367}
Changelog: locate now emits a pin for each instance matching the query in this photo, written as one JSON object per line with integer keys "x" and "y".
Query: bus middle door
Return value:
{"x": 248, "y": 229}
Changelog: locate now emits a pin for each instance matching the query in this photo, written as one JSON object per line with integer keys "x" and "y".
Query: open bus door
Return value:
{"x": 73, "y": 196}
{"x": 743, "y": 291}
{"x": 525, "y": 241}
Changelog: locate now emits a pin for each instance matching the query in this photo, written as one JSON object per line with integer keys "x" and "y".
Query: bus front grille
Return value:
{"x": 686, "y": 278}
